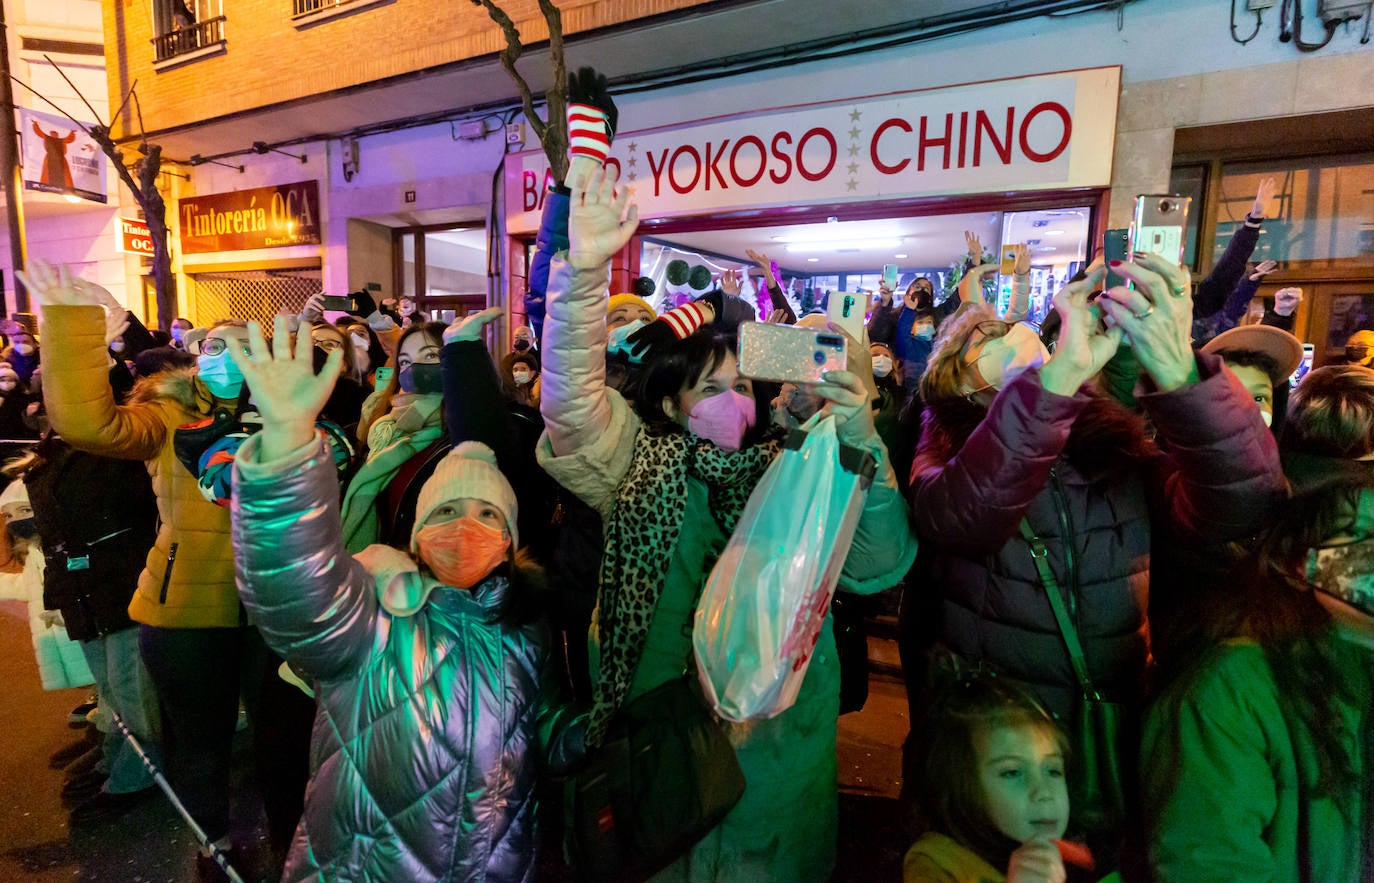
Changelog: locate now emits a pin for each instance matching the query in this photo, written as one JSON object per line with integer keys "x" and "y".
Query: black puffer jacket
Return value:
{"x": 1093, "y": 491}
{"x": 98, "y": 519}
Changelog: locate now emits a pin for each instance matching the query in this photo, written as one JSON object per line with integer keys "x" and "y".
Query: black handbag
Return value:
{"x": 1100, "y": 731}
{"x": 664, "y": 776}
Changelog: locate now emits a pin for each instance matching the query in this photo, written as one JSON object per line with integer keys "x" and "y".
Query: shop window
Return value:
{"x": 1324, "y": 214}
{"x": 187, "y": 29}
{"x": 251, "y": 294}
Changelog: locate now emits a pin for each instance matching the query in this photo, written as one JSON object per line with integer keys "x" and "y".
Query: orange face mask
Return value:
{"x": 462, "y": 551}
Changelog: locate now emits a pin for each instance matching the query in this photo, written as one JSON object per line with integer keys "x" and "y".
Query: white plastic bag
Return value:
{"x": 767, "y": 598}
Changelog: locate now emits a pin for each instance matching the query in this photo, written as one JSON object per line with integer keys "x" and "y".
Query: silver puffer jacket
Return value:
{"x": 430, "y": 725}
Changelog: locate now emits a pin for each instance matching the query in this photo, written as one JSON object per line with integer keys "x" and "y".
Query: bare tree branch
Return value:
{"x": 509, "y": 56}
{"x": 74, "y": 89}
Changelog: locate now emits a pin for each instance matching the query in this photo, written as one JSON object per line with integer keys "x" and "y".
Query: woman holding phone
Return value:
{"x": 1016, "y": 437}
{"x": 670, "y": 476}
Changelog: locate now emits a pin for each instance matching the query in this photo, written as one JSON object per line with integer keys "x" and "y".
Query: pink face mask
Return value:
{"x": 723, "y": 419}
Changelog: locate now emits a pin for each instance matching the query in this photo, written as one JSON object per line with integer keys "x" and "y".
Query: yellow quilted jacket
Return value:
{"x": 188, "y": 581}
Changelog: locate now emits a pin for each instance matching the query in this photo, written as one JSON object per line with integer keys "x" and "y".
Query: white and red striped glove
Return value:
{"x": 672, "y": 326}
{"x": 588, "y": 132}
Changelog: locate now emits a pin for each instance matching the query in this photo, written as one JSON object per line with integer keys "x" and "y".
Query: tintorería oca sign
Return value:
{"x": 1031, "y": 133}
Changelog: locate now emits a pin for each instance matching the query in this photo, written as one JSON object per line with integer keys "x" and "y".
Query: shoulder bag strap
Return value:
{"x": 1039, "y": 555}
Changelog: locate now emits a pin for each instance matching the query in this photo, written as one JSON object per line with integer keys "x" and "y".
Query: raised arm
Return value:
{"x": 313, "y": 602}
{"x": 574, "y": 401}
{"x": 77, "y": 330}
{"x": 1211, "y": 292}
{"x": 1018, "y": 307}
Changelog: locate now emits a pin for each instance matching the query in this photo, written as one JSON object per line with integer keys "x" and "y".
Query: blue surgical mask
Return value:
{"x": 925, "y": 332}
{"x": 220, "y": 374}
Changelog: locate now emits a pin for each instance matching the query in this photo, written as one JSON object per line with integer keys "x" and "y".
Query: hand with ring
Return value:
{"x": 1157, "y": 322}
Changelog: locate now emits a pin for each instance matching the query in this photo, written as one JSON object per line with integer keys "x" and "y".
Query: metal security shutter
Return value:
{"x": 251, "y": 294}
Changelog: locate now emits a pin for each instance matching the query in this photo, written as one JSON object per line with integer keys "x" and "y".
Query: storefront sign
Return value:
{"x": 264, "y": 217}
{"x": 132, "y": 237}
{"x": 59, "y": 157}
{"x": 1029, "y": 133}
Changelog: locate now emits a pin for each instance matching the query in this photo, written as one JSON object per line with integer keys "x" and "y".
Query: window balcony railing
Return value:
{"x": 182, "y": 40}
{"x": 310, "y": 7}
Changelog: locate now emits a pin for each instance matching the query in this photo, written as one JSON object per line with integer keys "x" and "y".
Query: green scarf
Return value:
{"x": 641, "y": 534}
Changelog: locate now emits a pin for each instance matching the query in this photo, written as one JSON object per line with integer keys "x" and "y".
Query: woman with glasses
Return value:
{"x": 345, "y": 403}
{"x": 1015, "y": 440}
{"x": 192, "y": 633}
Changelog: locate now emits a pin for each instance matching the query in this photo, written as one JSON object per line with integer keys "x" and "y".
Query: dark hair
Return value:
{"x": 161, "y": 358}
{"x": 1253, "y": 359}
{"x": 951, "y": 797}
{"x": 668, "y": 370}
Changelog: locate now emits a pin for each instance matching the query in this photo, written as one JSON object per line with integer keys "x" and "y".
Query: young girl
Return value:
{"x": 427, "y": 665}
{"x": 994, "y": 791}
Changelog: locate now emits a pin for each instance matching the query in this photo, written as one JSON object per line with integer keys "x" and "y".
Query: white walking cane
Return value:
{"x": 215, "y": 852}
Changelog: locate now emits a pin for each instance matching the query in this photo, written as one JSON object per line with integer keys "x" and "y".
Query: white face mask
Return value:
{"x": 882, "y": 366}
{"x": 521, "y": 377}
{"x": 1267, "y": 417}
{"x": 1001, "y": 359}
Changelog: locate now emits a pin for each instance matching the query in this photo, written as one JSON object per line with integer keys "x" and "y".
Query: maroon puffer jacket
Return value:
{"x": 1220, "y": 476}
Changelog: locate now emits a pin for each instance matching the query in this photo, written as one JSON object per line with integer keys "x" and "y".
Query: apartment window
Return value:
{"x": 187, "y": 27}
{"x": 305, "y": 13}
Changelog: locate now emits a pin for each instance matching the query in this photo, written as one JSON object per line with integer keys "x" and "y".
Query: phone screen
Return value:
{"x": 1008, "y": 266}
{"x": 1308, "y": 350}
{"x": 1116, "y": 246}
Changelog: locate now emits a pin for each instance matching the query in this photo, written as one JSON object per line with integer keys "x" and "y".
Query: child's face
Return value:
{"x": 1021, "y": 771}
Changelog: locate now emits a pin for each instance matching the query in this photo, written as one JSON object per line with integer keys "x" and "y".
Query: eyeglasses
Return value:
{"x": 213, "y": 346}
{"x": 328, "y": 344}
{"x": 989, "y": 329}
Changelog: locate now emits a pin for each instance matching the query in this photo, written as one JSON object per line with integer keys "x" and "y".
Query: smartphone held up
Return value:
{"x": 789, "y": 353}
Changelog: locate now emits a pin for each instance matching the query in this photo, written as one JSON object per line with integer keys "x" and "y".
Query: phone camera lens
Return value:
{"x": 1166, "y": 206}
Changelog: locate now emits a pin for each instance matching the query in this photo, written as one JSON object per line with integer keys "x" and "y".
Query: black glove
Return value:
{"x": 716, "y": 300}
{"x": 364, "y": 304}
{"x": 589, "y": 87}
{"x": 649, "y": 338}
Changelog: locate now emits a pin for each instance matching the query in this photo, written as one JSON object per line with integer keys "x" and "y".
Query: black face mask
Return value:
{"x": 24, "y": 528}
{"x": 521, "y": 345}
{"x": 421, "y": 378}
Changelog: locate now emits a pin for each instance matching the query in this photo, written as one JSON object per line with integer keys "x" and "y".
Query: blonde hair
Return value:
{"x": 946, "y": 371}
{"x": 1331, "y": 413}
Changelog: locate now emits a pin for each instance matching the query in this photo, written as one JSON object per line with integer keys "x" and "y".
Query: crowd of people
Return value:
{"x": 1136, "y": 579}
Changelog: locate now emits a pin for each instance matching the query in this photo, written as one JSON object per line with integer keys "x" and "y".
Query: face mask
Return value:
{"x": 521, "y": 345}
{"x": 462, "y": 551}
{"x": 24, "y": 528}
{"x": 925, "y": 332}
{"x": 521, "y": 377}
{"x": 1345, "y": 572}
{"x": 8, "y": 385}
{"x": 421, "y": 378}
{"x": 116, "y": 346}
{"x": 1267, "y": 417}
{"x": 360, "y": 342}
{"x": 618, "y": 339}
{"x": 178, "y": 333}
{"x": 723, "y": 419}
{"x": 1001, "y": 359}
{"x": 882, "y": 366}
{"x": 220, "y": 374}
{"x": 24, "y": 349}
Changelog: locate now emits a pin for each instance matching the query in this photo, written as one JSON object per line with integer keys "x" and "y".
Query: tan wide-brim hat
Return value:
{"x": 1279, "y": 345}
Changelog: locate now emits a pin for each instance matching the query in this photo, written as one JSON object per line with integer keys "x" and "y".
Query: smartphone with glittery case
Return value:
{"x": 788, "y": 354}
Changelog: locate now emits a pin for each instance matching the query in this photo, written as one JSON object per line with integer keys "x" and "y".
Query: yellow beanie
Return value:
{"x": 625, "y": 299}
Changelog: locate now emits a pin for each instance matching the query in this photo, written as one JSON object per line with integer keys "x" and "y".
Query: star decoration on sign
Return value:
{"x": 631, "y": 162}
{"x": 854, "y": 133}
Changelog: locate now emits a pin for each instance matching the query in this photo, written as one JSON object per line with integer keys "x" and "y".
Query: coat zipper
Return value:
{"x": 1061, "y": 505}
{"x": 167, "y": 575}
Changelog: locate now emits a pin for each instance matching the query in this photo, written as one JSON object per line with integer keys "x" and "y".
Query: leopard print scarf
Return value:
{"x": 642, "y": 532}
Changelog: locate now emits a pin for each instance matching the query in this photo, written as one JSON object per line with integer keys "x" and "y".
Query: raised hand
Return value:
{"x": 729, "y": 283}
{"x": 286, "y": 390}
{"x": 1286, "y": 300}
{"x": 1263, "y": 199}
{"x": 1157, "y": 316}
{"x": 777, "y": 317}
{"x": 764, "y": 264}
{"x": 1023, "y": 259}
{"x": 52, "y": 285}
{"x": 975, "y": 246}
{"x": 1083, "y": 346}
{"x": 470, "y": 327}
{"x": 601, "y": 219}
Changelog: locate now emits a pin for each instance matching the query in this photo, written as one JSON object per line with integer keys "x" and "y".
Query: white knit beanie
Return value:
{"x": 15, "y": 494}
{"x": 468, "y": 471}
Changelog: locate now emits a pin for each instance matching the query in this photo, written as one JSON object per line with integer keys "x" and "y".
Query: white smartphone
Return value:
{"x": 789, "y": 354}
{"x": 846, "y": 310}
